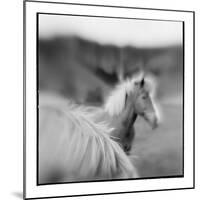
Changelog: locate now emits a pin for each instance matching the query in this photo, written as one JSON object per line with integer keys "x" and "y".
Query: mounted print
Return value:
{"x": 108, "y": 99}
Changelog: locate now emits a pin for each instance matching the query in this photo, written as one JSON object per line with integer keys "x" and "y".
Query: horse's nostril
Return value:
{"x": 127, "y": 148}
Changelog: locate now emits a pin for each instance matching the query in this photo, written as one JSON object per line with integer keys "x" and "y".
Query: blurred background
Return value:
{"x": 83, "y": 58}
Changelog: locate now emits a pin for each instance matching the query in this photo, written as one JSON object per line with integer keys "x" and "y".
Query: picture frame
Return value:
{"x": 32, "y": 189}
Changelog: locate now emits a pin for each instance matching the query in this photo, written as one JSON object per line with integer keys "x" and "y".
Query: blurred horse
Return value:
{"x": 79, "y": 143}
{"x": 131, "y": 98}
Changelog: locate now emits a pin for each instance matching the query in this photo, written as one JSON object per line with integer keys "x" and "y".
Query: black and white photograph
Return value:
{"x": 109, "y": 98}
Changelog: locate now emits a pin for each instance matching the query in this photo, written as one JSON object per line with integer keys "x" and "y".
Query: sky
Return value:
{"x": 120, "y": 32}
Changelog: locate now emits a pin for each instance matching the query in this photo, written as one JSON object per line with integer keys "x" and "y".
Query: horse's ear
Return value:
{"x": 142, "y": 82}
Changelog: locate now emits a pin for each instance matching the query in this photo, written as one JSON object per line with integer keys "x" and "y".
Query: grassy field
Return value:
{"x": 159, "y": 152}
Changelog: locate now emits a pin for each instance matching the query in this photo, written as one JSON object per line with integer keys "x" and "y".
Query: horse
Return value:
{"x": 130, "y": 99}
{"x": 81, "y": 143}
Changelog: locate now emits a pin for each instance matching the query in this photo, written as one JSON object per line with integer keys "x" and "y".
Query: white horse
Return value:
{"x": 76, "y": 142}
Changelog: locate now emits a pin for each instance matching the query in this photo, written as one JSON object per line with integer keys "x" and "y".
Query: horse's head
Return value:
{"x": 143, "y": 105}
{"x": 131, "y": 98}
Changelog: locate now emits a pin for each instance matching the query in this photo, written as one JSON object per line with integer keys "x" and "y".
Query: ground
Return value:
{"x": 159, "y": 152}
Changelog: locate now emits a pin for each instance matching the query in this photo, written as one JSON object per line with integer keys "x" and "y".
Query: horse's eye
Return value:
{"x": 144, "y": 97}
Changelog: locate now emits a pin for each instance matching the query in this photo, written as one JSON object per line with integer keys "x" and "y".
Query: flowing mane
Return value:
{"x": 116, "y": 101}
{"x": 89, "y": 151}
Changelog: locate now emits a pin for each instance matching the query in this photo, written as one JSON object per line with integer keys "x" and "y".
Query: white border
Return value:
{"x": 115, "y": 186}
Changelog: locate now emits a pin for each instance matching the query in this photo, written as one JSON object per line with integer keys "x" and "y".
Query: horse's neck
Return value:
{"x": 123, "y": 123}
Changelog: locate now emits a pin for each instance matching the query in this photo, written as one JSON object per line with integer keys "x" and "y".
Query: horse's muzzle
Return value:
{"x": 151, "y": 119}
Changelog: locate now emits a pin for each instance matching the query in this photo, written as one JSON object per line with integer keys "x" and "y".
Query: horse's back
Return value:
{"x": 53, "y": 135}
{"x": 74, "y": 148}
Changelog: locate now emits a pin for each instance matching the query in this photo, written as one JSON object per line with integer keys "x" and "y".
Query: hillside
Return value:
{"x": 65, "y": 63}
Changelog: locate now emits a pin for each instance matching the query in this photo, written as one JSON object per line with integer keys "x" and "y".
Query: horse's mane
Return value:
{"x": 90, "y": 152}
{"x": 116, "y": 101}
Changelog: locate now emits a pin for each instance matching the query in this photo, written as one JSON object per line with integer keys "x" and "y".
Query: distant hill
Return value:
{"x": 78, "y": 68}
